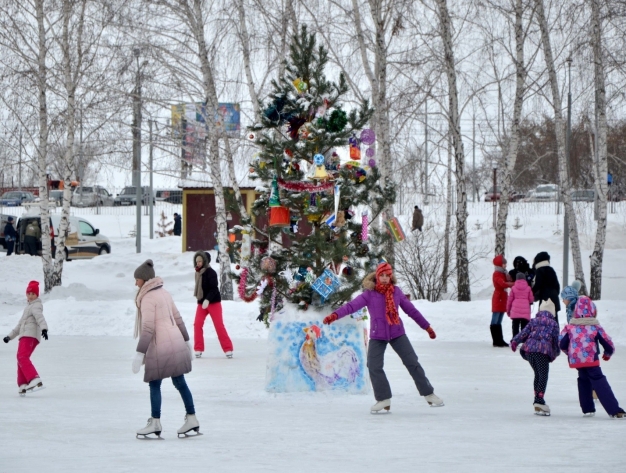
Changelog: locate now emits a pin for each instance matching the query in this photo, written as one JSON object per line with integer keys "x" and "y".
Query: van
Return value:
{"x": 82, "y": 241}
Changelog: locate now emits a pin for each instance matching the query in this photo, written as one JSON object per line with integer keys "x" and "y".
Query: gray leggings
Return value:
{"x": 376, "y": 360}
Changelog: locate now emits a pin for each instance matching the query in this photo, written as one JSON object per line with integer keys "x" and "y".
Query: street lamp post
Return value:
{"x": 567, "y": 159}
{"x": 137, "y": 149}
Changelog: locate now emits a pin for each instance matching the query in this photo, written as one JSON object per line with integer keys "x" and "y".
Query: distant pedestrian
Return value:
{"x": 520, "y": 265}
{"x": 29, "y": 330}
{"x": 519, "y": 303}
{"x": 207, "y": 293}
{"x": 546, "y": 284}
{"x": 540, "y": 339}
{"x": 32, "y": 235}
{"x": 580, "y": 341}
{"x": 177, "y": 224}
{"x": 418, "y": 219}
{"x": 501, "y": 282}
{"x": 10, "y": 235}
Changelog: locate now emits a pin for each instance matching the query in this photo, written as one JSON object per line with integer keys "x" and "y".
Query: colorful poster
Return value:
{"x": 228, "y": 118}
{"x": 306, "y": 355}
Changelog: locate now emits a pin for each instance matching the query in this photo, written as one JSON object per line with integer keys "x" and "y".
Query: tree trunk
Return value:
{"x": 565, "y": 184}
{"x": 446, "y": 233}
{"x": 513, "y": 145}
{"x": 244, "y": 37}
{"x": 196, "y": 20}
{"x": 245, "y": 218}
{"x": 289, "y": 18}
{"x": 462, "y": 261}
{"x": 600, "y": 158}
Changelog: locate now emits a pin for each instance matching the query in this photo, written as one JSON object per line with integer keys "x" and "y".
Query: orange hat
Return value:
{"x": 33, "y": 287}
{"x": 384, "y": 268}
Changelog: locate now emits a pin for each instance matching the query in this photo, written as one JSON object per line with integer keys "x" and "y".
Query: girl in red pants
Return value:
{"x": 207, "y": 294}
{"x": 29, "y": 330}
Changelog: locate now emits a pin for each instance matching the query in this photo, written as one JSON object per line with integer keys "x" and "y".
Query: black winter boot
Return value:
{"x": 494, "y": 336}
{"x": 498, "y": 332}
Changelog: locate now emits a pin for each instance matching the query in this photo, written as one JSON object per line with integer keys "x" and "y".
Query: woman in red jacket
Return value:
{"x": 501, "y": 282}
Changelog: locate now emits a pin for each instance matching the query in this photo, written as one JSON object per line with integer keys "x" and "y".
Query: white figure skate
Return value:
{"x": 434, "y": 401}
{"x": 542, "y": 409}
{"x": 198, "y": 354}
{"x": 229, "y": 354}
{"x": 589, "y": 414}
{"x": 191, "y": 424}
{"x": 22, "y": 390}
{"x": 152, "y": 427}
{"x": 384, "y": 405}
{"x": 34, "y": 385}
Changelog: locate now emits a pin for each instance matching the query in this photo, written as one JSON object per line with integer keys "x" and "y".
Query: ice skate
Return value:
{"x": 153, "y": 427}
{"x": 541, "y": 409}
{"x": 22, "y": 390}
{"x": 589, "y": 414}
{"x": 229, "y": 354}
{"x": 620, "y": 415}
{"x": 381, "y": 405}
{"x": 434, "y": 401}
{"x": 198, "y": 354}
{"x": 191, "y": 424}
{"x": 34, "y": 385}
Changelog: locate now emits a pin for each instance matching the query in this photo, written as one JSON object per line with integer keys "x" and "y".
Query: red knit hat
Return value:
{"x": 384, "y": 268}
{"x": 33, "y": 287}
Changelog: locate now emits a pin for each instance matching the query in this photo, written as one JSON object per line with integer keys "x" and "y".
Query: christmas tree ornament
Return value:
{"x": 300, "y": 85}
{"x": 274, "y": 197}
{"x": 279, "y": 216}
{"x": 309, "y": 276}
{"x": 368, "y": 137}
{"x": 347, "y": 271}
{"x": 337, "y": 121}
{"x": 364, "y": 226}
{"x": 340, "y": 221}
{"x": 268, "y": 265}
{"x": 355, "y": 148}
{"x": 251, "y": 136}
{"x": 326, "y": 284}
{"x": 305, "y": 131}
{"x": 337, "y": 197}
{"x": 395, "y": 229}
{"x": 370, "y": 152}
{"x": 372, "y": 163}
{"x": 242, "y": 287}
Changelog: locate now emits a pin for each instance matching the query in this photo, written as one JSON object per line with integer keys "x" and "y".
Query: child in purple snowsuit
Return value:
{"x": 580, "y": 340}
{"x": 541, "y": 347}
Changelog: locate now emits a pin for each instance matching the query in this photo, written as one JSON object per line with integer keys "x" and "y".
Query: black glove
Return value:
{"x": 44, "y": 334}
{"x": 6, "y": 339}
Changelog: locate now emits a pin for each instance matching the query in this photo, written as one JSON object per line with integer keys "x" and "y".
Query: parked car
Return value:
{"x": 128, "y": 196}
{"x": 546, "y": 193}
{"x": 175, "y": 197}
{"x": 163, "y": 194}
{"x": 56, "y": 196}
{"x": 82, "y": 241}
{"x": 16, "y": 198}
{"x": 3, "y": 221}
{"x": 492, "y": 194}
{"x": 585, "y": 195}
{"x": 517, "y": 196}
{"x": 91, "y": 197}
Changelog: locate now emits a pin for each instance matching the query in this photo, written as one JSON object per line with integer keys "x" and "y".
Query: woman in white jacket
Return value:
{"x": 29, "y": 330}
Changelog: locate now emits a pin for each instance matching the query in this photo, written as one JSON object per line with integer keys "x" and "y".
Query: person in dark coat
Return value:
{"x": 177, "y": 225}
{"x": 520, "y": 265}
{"x": 546, "y": 284}
{"x": 418, "y": 219}
{"x": 207, "y": 293}
{"x": 10, "y": 235}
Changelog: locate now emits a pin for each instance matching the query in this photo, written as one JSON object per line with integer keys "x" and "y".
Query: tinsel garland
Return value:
{"x": 273, "y": 302}
{"x": 364, "y": 227}
{"x": 242, "y": 287}
{"x": 298, "y": 186}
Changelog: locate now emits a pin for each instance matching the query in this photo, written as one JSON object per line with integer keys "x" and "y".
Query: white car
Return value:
{"x": 546, "y": 193}
{"x": 91, "y": 197}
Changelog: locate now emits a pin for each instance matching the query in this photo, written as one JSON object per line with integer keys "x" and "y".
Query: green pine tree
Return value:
{"x": 305, "y": 119}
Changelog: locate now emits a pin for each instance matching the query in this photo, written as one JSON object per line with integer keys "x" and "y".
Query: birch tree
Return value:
{"x": 600, "y": 157}
{"x": 564, "y": 178}
{"x": 454, "y": 123}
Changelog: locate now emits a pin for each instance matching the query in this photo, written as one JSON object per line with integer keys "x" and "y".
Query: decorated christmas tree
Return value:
{"x": 318, "y": 245}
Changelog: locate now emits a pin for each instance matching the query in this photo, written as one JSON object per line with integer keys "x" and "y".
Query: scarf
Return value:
{"x": 542, "y": 264}
{"x": 197, "y": 291}
{"x": 391, "y": 312}
{"x": 584, "y": 321}
{"x": 147, "y": 286}
{"x": 500, "y": 269}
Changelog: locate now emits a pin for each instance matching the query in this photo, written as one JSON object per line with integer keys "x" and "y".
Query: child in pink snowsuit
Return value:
{"x": 29, "y": 330}
{"x": 519, "y": 302}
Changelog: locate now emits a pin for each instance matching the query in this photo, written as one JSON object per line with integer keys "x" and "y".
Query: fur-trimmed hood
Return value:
{"x": 205, "y": 256}
{"x": 369, "y": 283}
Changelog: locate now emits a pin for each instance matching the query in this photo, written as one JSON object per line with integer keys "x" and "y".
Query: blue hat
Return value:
{"x": 10, "y": 219}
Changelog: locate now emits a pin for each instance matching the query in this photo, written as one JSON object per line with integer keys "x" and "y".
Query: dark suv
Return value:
{"x": 128, "y": 196}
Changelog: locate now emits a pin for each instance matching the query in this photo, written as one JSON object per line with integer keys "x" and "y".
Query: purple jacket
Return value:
{"x": 541, "y": 335}
{"x": 380, "y": 329}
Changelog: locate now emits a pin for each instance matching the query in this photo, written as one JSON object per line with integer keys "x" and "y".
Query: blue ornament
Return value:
{"x": 319, "y": 159}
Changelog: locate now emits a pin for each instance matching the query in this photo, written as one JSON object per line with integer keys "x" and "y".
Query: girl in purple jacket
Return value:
{"x": 541, "y": 347}
{"x": 382, "y": 299}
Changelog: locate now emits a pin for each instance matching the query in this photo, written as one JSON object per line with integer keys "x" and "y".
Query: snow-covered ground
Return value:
{"x": 86, "y": 417}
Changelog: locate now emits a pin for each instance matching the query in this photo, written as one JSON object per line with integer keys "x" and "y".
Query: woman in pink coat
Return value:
{"x": 519, "y": 302}
{"x": 163, "y": 347}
